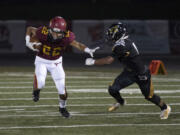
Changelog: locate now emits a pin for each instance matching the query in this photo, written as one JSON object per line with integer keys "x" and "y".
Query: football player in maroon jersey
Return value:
{"x": 50, "y": 43}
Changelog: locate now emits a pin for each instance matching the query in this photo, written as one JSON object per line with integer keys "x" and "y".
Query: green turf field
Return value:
{"x": 88, "y": 103}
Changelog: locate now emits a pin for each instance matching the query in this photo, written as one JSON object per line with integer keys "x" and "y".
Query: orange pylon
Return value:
{"x": 157, "y": 67}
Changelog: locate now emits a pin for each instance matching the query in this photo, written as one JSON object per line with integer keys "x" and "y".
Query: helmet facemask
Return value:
{"x": 58, "y": 28}
{"x": 57, "y": 34}
{"x": 115, "y": 32}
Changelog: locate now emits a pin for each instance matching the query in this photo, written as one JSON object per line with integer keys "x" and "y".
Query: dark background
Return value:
{"x": 87, "y": 9}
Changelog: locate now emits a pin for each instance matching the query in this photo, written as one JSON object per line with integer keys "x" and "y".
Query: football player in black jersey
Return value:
{"x": 134, "y": 70}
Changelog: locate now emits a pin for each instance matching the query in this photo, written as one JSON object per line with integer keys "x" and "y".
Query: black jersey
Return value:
{"x": 126, "y": 51}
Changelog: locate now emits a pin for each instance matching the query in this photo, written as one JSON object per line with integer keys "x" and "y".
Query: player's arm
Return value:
{"x": 78, "y": 45}
{"x": 101, "y": 61}
{"x": 83, "y": 47}
{"x": 30, "y": 33}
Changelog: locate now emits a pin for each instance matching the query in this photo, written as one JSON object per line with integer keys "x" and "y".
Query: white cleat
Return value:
{"x": 116, "y": 106}
{"x": 165, "y": 113}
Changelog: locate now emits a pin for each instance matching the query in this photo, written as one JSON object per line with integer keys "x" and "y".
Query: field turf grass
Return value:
{"x": 88, "y": 103}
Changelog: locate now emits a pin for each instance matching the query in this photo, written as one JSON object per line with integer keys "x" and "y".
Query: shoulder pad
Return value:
{"x": 42, "y": 33}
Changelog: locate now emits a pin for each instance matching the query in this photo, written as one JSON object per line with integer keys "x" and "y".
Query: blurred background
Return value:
{"x": 154, "y": 25}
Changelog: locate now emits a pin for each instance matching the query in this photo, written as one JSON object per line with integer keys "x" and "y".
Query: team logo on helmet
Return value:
{"x": 116, "y": 31}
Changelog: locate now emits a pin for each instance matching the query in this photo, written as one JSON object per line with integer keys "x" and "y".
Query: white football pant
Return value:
{"x": 42, "y": 66}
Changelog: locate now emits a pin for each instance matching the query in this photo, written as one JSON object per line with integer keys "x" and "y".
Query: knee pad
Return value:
{"x": 39, "y": 82}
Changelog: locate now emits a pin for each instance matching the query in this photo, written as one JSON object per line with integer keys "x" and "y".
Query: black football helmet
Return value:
{"x": 115, "y": 32}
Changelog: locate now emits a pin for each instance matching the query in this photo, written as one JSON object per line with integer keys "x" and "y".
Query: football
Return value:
{"x": 35, "y": 39}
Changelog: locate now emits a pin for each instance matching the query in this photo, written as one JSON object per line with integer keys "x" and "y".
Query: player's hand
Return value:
{"x": 37, "y": 45}
{"x": 91, "y": 51}
{"x": 34, "y": 46}
{"x": 89, "y": 61}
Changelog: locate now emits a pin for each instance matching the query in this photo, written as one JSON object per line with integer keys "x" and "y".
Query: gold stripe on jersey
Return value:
{"x": 67, "y": 34}
{"x": 151, "y": 90}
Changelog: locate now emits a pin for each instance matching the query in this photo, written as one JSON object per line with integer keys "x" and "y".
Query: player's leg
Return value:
{"x": 58, "y": 76}
{"x": 147, "y": 90}
{"x": 123, "y": 80}
{"x": 39, "y": 79}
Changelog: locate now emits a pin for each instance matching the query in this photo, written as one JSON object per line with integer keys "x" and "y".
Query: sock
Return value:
{"x": 162, "y": 105}
{"x": 157, "y": 100}
{"x": 62, "y": 103}
{"x": 120, "y": 100}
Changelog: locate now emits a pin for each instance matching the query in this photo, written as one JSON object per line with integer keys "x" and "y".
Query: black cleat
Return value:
{"x": 64, "y": 112}
{"x": 35, "y": 95}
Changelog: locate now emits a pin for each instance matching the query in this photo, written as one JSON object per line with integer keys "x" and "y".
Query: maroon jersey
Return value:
{"x": 52, "y": 50}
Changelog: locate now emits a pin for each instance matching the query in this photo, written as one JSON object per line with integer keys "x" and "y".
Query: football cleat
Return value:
{"x": 116, "y": 106}
{"x": 64, "y": 112}
{"x": 36, "y": 95}
{"x": 165, "y": 113}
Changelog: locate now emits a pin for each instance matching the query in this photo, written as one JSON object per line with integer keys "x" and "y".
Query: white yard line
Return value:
{"x": 130, "y": 91}
{"x": 68, "y": 77}
{"x": 21, "y": 87}
{"x": 90, "y": 125}
{"x": 76, "y": 82}
{"x": 84, "y": 98}
{"x": 53, "y": 86}
{"x": 74, "y": 105}
{"x": 89, "y": 79}
{"x": 49, "y": 81}
{"x": 69, "y": 86}
{"x": 165, "y": 79}
{"x": 85, "y": 75}
{"x": 7, "y": 110}
{"x": 55, "y": 114}
{"x": 14, "y": 82}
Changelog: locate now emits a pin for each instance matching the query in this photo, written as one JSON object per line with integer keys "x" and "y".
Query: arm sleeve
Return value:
{"x": 118, "y": 51}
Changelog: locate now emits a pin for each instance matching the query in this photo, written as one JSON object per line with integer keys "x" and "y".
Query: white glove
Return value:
{"x": 31, "y": 45}
{"x": 90, "y": 51}
{"x": 89, "y": 61}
